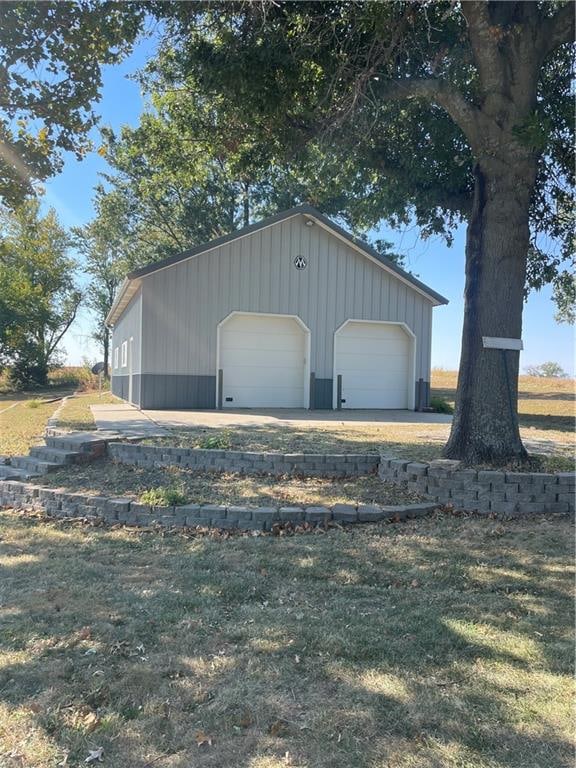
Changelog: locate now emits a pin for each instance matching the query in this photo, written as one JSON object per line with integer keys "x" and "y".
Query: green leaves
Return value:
{"x": 39, "y": 297}
{"x": 304, "y": 90}
{"x": 50, "y": 74}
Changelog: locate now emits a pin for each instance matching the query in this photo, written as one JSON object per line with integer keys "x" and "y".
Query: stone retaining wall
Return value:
{"x": 308, "y": 464}
{"x": 506, "y": 494}
{"x": 59, "y": 503}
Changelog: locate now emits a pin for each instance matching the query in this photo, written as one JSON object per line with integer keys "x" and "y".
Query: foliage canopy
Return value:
{"x": 39, "y": 298}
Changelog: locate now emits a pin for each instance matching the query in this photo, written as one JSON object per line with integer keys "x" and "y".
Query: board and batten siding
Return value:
{"x": 184, "y": 303}
{"x": 128, "y": 327}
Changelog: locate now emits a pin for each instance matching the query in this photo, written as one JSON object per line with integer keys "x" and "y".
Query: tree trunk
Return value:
{"x": 485, "y": 425}
{"x": 246, "y": 205}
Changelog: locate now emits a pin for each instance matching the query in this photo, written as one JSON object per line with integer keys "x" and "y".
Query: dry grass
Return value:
{"x": 546, "y": 409}
{"x": 104, "y": 477}
{"x": 444, "y": 643}
{"x": 546, "y": 404}
{"x": 412, "y": 440}
{"x": 76, "y": 414}
{"x": 23, "y": 425}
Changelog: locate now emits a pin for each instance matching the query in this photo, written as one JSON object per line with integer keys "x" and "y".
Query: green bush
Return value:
{"x": 163, "y": 497}
{"x": 221, "y": 441}
{"x": 32, "y": 403}
{"x": 439, "y": 405}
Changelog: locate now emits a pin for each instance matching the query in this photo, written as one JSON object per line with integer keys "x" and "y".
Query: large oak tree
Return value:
{"x": 452, "y": 111}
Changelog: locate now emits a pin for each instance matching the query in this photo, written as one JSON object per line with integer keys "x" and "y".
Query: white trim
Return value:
{"x": 122, "y": 299}
{"x": 140, "y": 340}
{"x": 412, "y": 367}
{"x": 130, "y": 372}
{"x": 300, "y": 322}
{"x": 124, "y": 354}
{"x": 116, "y": 359}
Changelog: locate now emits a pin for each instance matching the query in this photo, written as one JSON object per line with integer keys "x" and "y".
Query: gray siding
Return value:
{"x": 177, "y": 391}
{"x": 120, "y": 386}
{"x": 127, "y": 327}
{"x": 183, "y": 304}
{"x": 322, "y": 395}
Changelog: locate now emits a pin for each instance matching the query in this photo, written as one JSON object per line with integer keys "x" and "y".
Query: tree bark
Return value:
{"x": 246, "y": 204}
{"x": 485, "y": 425}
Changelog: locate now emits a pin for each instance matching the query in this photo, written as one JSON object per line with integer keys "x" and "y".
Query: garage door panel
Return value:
{"x": 360, "y": 347}
{"x": 272, "y": 398}
{"x": 352, "y": 379}
{"x": 263, "y": 362}
{"x": 269, "y": 341}
{"x": 375, "y": 364}
{"x": 273, "y": 357}
{"x": 374, "y": 361}
{"x": 258, "y": 324}
{"x": 367, "y": 330}
{"x": 264, "y": 377}
{"x": 380, "y": 400}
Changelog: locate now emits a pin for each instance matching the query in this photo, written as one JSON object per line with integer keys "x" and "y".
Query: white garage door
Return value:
{"x": 263, "y": 361}
{"x": 374, "y": 360}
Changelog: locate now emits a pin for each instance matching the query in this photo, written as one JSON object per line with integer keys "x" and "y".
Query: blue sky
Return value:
{"x": 71, "y": 193}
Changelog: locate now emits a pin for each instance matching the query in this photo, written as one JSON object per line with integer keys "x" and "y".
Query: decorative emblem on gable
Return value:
{"x": 300, "y": 262}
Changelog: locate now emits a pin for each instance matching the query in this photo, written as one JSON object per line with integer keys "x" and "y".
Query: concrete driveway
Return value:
{"x": 126, "y": 418}
{"x": 285, "y": 417}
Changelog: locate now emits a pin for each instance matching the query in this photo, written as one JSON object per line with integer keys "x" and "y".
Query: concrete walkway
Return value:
{"x": 125, "y": 419}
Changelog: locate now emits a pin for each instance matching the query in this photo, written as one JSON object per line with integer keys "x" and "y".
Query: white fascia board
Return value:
{"x": 366, "y": 255}
{"x": 125, "y": 294}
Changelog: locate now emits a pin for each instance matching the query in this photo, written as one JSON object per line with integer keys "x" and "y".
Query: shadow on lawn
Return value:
{"x": 344, "y": 649}
{"x": 523, "y": 394}
{"x": 568, "y": 397}
{"x": 545, "y": 422}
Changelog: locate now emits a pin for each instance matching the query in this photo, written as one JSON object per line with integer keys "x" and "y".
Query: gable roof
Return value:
{"x": 133, "y": 280}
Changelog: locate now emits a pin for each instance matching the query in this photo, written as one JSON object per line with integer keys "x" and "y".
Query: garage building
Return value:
{"x": 292, "y": 312}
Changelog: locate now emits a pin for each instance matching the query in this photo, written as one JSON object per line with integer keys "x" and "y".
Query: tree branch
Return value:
{"x": 55, "y": 339}
{"x": 484, "y": 38}
{"x": 464, "y": 114}
{"x": 557, "y": 30}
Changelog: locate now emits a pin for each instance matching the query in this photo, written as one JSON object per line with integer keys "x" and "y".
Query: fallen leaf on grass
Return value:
{"x": 278, "y": 728}
{"x": 203, "y": 740}
{"x": 95, "y": 755}
{"x": 90, "y": 721}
